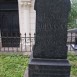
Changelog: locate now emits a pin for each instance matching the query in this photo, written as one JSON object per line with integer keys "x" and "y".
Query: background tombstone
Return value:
{"x": 9, "y": 23}
{"x": 50, "y": 51}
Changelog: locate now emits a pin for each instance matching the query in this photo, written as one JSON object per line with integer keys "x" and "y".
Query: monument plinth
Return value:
{"x": 49, "y": 56}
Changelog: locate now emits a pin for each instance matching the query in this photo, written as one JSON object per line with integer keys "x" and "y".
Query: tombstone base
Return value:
{"x": 49, "y": 68}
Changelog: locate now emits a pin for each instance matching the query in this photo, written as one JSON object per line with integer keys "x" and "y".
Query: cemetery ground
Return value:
{"x": 15, "y": 65}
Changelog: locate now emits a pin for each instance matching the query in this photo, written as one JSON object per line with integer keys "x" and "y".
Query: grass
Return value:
{"x": 73, "y": 61}
{"x": 15, "y": 65}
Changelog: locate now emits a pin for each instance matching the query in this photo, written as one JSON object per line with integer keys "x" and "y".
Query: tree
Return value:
{"x": 73, "y": 15}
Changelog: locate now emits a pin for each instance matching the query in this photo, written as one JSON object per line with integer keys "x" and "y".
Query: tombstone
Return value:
{"x": 49, "y": 57}
{"x": 9, "y": 23}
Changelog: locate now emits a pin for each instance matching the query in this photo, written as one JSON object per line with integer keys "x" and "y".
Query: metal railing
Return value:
{"x": 72, "y": 40}
{"x": 16, "y": 44}
{"x": 25, "y": 44}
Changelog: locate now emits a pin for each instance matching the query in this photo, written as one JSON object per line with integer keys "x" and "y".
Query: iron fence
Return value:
{"x": 25, "y": 44}
{"x": 17, "y": 44}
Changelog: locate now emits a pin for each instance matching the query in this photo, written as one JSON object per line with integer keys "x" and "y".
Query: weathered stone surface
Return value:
{"x": 50, "y": 50}
{"x": 51, "y": 29}
{"x": 49, "y": 68}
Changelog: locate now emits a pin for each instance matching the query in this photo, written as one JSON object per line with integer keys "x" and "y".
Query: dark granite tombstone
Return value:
{"x": 49, "y": 58}
{"x": 9, "y": 23}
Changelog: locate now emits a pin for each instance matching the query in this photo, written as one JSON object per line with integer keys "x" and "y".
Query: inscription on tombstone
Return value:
{"x": 49, "y": 56}
{"x": 51, "y": 28}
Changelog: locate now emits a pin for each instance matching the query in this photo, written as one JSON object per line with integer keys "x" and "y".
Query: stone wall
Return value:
{"x": 26, "y": 16}
{"x": 32, "y": 17}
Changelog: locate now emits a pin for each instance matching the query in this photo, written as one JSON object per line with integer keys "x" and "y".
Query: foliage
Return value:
{"x": 73, "y": 61}
{"x": 13, "y": 65}
{"x": 73, "y": 15}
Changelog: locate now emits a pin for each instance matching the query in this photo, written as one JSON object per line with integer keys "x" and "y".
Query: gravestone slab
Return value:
{"x": 49, "y": 68}
{"x": 51, "y": 28}
{"x": 49, "y": 57}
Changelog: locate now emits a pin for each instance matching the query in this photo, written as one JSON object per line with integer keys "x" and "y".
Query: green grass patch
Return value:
{"x": 13, "y": 65}
{"x": 73, "y": 61}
